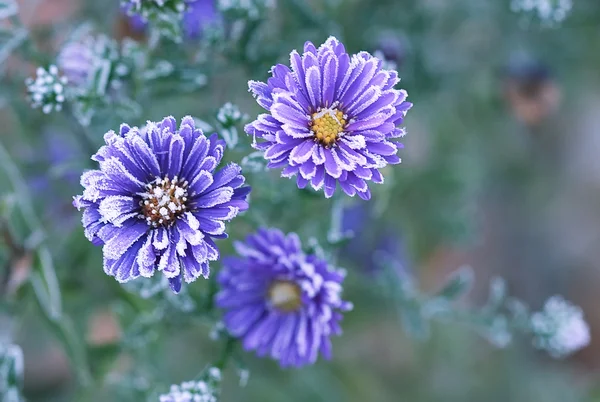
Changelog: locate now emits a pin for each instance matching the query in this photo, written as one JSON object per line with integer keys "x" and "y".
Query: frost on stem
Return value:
{"x": 11, "y": 373}
{"x": 250, "y": 9}
{"x": 548, "y": 11}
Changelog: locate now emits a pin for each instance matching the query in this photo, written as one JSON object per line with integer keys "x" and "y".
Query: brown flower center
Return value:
{"x": 163, "y": 201}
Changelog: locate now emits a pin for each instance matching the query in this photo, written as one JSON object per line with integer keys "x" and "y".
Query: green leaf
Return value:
{"x": 413, "y": 321}
{"x": 203, "y": 125}
{"x": 11, "y": 366}
{"x": 51, "y": 283}
{"x": 230, "y": 135}
{"x": 459, "y": 283}
{"x": 9, "y": 41}
{"x": 254, "y": 162}
{"x": 498, "y": 332}
{"x": 497, "y": 295}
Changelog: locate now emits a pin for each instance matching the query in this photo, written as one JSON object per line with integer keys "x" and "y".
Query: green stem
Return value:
{"x": 81, "y": 133}
{"x": 226, "y": 353}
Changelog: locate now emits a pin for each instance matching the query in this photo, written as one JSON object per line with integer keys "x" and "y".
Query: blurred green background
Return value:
{"x": 500, "y": 171}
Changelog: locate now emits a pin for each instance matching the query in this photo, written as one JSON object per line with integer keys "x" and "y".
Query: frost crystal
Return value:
{"x": 560, "y": 328}
{"x": 11, "y": 373}
{"x": 46, "y": 91}
{"x": 229, "y": 115}
{"x": 252, "y": 9}
{"x": 550, "y": 11}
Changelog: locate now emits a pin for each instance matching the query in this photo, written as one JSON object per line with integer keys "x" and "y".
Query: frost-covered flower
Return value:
{"x": 157, "y": 202}
{"x": 560, "y": 328}
{"x": 333, "y": 118}
{"x": 205, "y": 390}
{"x": 47, "y": 90}
{"x": 282, "y": 302}
{"x": 89, "y": 58}
{"x": 76, "y": 60}
{"x": 549, "y": 11}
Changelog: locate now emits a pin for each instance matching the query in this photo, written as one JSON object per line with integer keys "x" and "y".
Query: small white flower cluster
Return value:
{"x": 11, "y": 372}
{"x": 550, "y": 11}
{"x": 192, "y": 391}
{"x": 560, "y": 328}
{"x": 47, "y": 89}
{"x": 252, "y": 9}
{"x": 230, "y": 114}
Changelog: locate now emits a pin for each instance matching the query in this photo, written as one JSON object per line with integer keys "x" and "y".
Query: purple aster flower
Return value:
{"x": 282, "y": 302}
{"x": 77, "y": 61}
{"x": 157, "y": 203}
{"x": 199, "y": 14}
{"x": 333, "y": 118}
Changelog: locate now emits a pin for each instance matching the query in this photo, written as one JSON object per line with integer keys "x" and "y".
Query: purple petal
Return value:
{"x": 118, "y": 208}
{"x": 333, "y": 169}
{"x": 175, "y": 156}
{"x": 313, "y": 86}
{"x": 330, "y": 184}
{"x": 118, "y": 240}
{"x": 301, "y": 153}
{"x": 289, "y": 115}
{"x": 215, "y": 197}
{"x": 383, "y": 148}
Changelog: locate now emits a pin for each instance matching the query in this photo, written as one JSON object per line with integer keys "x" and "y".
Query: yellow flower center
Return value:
{"x": 285, "y": 295}
{"x": 327, "y": 125}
